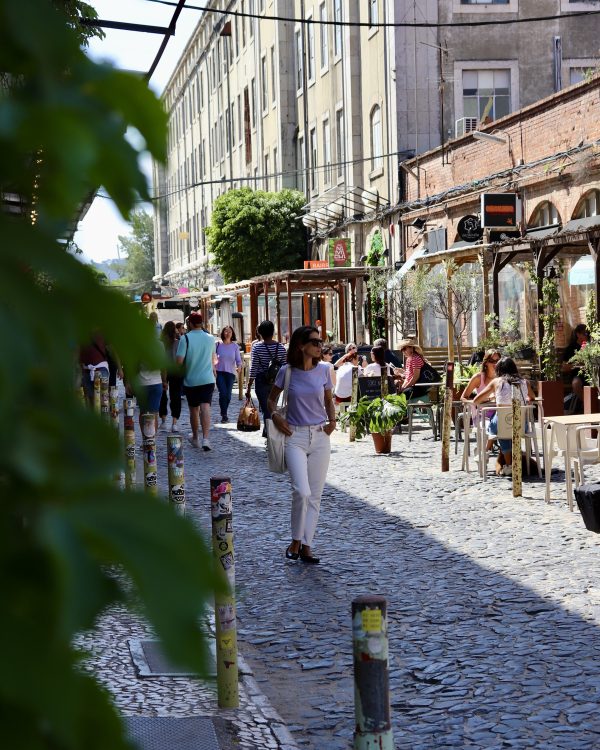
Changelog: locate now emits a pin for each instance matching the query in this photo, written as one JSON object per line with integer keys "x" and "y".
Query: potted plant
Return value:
{"x": 521, "y": 348}
{"x": 378, "y": 417}
{"x": 462, "y": 375}
{"x": 551, "y": 388}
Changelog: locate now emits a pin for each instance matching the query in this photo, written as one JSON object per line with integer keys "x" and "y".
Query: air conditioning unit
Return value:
{"x": 464, "y": 125}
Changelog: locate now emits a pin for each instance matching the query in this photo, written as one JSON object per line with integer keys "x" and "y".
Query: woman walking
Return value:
{"x": 170, "y": 340}
{"x": 265, "y": 360}
{"x": 507, "y": 376}
{"x": 229, "y": 362}
{"x": 309, "y": 422}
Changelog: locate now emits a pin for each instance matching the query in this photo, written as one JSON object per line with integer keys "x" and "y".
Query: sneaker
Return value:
{"x": 193, "y": 441}
{"x": 224, "y": 419}
{"x": 163, "y": 427}
{"x": 205, "y": 444}
{"x": 175, "y": 428}
{"x": 507, "y": 471}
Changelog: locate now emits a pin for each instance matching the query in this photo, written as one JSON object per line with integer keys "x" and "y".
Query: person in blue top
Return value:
{"x": 196, "y": 351}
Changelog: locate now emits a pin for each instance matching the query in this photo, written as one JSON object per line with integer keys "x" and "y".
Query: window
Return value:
{"x": 243, "y": 21}
{"x": 486, "y": 94}
{"x": 337, "y": 32}
{"x": 340, "y": 151}
{"x": 544, "y": 215}
{"x": 589, "y": 205}
{"x": 376, "y": 139}
{"x": 310, "y": 33}
{"x": 251, "y": 19}
{"x": 373, "y": 12}
{"x": 324, "y": 30}
{"x": 266, "y": 171}
{"x": 327, "y": 151}
{"x": 233, "y": 123}
{"x": 236, "y": 36}
{"x": 275, "y": 167}
{"x": 300, "y": 165}
{"x": 299, "y": 58}
{"x": 485, "y": 6}
{"x": 265, "y": 83}
{"x": 253, "y": 100}
{"x": 247, "y": 133}
{"x": 273, "y": 76}
{"x": 228, "y": 128}
{"x": 314, "y": 180}
{"x": 484, "y": 2}
{"x": 239, "y": 111}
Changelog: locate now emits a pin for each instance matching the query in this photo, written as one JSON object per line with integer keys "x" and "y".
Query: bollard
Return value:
{"x": 447, "y": 416}
{"x": 104, "y": 398}
{"x": 176, "y": 474}
{"x": 517, "y": 485}
{"x": 129, "y": 440}
{"x": 221, "y": 511}
{"x": 371, "y": 679}
{"x": 97, "y": 392}
{"x": 353, "y": 402}
{"x": 149, "y": 436}
{"x": 384, "y": 382}
{"x": 113, "y": 398}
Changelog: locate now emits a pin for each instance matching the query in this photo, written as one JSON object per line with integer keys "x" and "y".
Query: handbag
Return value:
{"x": 276, "y": 438}
{"x": 429, "y": 374}
{"x": 248, "y": 418}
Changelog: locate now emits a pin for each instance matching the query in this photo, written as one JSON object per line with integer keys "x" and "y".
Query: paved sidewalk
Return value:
{"x": 494, "y": 605}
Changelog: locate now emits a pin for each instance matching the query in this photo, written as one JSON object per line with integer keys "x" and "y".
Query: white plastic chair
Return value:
{"x": 555, "y": 444}
{"x": 588, "y": 452}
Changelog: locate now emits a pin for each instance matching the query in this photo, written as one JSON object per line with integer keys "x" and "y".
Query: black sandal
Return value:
{"x": 309, "y": 558}
{"x": 291, "y": 555}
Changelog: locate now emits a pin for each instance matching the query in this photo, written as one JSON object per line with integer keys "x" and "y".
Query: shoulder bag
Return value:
{"x": 276, "y": 438}
{"x": 249, "y": 419}
{"x": 273, "y": 368}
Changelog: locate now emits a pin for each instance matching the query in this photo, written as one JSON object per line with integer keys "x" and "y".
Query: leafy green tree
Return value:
{"x": 64, "y": 527}
{"x": 138, "y": 266}
{"x": 253, "y": 232}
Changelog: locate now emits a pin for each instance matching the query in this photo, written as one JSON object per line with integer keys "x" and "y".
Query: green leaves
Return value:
{"x": 254, "y": 232}
{"x": 376, "y": 415}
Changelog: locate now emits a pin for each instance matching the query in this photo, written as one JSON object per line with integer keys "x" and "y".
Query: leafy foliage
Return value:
{"x": 376, "y": 415}
{"x": 253, "y": 232}
{"x": 506, "y": 335}
{"x": 138, "y": 266}
{"x": 63, "y": 525}
{"x": 550, "y": 314}
{"x": 74, "y": 10}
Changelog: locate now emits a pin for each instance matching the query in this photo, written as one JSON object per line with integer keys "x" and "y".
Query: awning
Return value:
{"x": 405, "y": 268}
{"x": 583, "y": 272}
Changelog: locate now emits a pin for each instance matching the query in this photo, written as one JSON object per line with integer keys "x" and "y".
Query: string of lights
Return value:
{"x": 384, "y": 24}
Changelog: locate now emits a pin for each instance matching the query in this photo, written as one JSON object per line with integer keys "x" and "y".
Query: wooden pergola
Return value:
{"x": 341, "y": 281}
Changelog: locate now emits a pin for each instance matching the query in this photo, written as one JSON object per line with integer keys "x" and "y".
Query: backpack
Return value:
{"x": 273, "y": 368}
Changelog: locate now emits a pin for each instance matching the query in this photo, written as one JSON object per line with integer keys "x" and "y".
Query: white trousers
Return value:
{"x": 307, "y": 457}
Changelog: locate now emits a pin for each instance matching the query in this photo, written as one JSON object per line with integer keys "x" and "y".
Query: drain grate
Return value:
{"x": 162, "y": 733}
{"x": 149, "y": 660}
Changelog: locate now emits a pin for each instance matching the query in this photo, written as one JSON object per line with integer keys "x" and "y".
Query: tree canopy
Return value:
{"x": 138, "y": 266}
{"x": 64, "y": 526}
{"x": 253, "y": 232}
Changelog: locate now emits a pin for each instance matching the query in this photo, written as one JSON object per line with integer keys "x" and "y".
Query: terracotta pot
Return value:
{"x": 553, "y": 394}
{"x": 382, "y": 442}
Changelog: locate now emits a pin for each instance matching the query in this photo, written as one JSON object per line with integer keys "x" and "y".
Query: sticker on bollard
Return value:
{"x": 149, "y": 432}
{"x": 176, "y": 472}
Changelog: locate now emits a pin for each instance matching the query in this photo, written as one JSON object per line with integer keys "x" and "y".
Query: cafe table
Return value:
{"x": 563, "y": 431}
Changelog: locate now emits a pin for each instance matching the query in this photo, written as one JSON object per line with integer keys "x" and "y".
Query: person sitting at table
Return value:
{"x": 414, "y": 359}
{"x": 373, "y": 369}
{"x": 343, "y": 384}
{"x": 479, "y": 381}
{"x": 579, "y": 339}
{"x": 507, "y": 376}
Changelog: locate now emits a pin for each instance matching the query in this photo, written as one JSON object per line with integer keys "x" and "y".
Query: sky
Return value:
{"x": 98, "y": 232}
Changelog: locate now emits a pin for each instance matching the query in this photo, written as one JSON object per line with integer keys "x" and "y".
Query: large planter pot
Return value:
{"x": 382, "y": 442}
{"x": 553, "y": 394}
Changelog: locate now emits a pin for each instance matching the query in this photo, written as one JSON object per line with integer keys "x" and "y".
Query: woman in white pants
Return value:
{"x": 309, "y": 422}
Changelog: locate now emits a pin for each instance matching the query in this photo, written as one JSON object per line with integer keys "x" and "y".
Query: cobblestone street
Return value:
{"x": 494, "y": 606}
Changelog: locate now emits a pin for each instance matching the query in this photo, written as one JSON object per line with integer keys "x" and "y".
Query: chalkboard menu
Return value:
{"x": 371, "y": 387}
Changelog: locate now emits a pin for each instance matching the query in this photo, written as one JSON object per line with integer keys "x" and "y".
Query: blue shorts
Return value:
{"x": 150, "y": 397}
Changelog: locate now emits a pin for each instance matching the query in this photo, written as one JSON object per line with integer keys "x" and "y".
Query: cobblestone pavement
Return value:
{"x": 494, "y": 605}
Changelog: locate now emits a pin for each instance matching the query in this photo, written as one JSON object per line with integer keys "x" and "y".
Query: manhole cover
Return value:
{"x": 149, "y": 660}
{"x": 160, "y": 733}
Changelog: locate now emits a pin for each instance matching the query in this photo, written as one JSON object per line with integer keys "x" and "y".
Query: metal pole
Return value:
{"x": 149, "y": 436}
{"x": 176, "y": 473}
{"x": 353, "y": 402}
{"x": 221, "y": 512}
{"x": 113, "y": 396}
{"x": 104, "y": 398}
{"x": 516, "y": 443}
{"x": 371, "y": 679}
{"x": 97, "y": 392}
{"x": 129, "y": 440}
{"x": 447, "y": 416}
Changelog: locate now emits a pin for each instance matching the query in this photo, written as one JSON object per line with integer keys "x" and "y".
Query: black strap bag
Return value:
{"x": 429, "y": 375}
{"x": 273, "y": 368}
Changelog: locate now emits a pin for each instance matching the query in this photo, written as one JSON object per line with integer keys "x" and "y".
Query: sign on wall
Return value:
{"x": 499, "y": 210}
{"x": 316, "y": 264}
{"x": 340, "y": 254}
{"x": 469, "y": 228}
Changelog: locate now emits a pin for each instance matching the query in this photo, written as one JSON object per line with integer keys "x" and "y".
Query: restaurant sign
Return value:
{"x": 469, "y": 228}
{"x": 339, "y": 252}
{"x": 316, "y": 264}
{"x": 499, "y": 210}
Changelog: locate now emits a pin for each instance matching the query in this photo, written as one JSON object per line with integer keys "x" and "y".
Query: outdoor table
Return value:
{"x": 566, "y": 425}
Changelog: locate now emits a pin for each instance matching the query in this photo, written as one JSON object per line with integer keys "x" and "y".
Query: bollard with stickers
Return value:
{"x": 221, "y": 511}
{"x": 104, "y": 395}
{"x": 129, "y": 441}
{"x": 517, "y": 470}
{"x": 113, "y": 397}
{"x": 447, "y": 416}
{"x": 176, "y": 473}
{"x": 371, "y": 677}
{"x": 97, "y": 392}
{"x": 149, "y": 437}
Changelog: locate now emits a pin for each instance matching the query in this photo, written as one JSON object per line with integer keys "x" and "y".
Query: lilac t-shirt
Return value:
{"x": 229, "y": 357}
{"x": 306, "y": 397}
